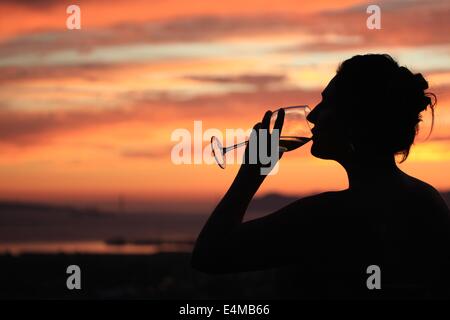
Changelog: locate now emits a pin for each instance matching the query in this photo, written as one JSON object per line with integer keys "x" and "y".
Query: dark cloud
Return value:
{"x": 409, "y": 25}
{"x": 187, "y": 29}
{"x": 144, "y": 153}
{"x": 258, "y": 80}
{"x": 34, "y": 4}
{"x": 24, "y": 128}
{"x": 46, "y": 4}
{"x": 94, "y": 72}
{"x": 391, "y": 5}
{"x": 439, "y": 138}
{"x": 89, "y": 72}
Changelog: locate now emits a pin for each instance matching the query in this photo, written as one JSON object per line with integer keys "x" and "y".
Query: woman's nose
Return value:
{"x": 312, "y": 116}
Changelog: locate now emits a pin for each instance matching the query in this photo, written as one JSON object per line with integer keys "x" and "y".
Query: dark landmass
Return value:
{"x": 121, "y": 241}
{"x": 24, "y": 222}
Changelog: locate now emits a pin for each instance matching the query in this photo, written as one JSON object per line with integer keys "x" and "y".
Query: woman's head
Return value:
{"x": 372, "y": 107}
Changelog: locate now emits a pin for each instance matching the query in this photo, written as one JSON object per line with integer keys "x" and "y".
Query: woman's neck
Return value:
{"x": 371, "y": 172}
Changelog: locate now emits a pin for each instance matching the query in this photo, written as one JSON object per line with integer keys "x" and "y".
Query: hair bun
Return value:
{"x": 421, "y": 83}
{"x": 426, "y": 101}
{"x": 406, "y": 77}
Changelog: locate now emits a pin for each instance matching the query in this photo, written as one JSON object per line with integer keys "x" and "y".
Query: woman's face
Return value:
{"x": 329, "y": 133}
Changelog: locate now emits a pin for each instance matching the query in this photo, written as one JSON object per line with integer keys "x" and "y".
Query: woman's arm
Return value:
{"x": 215, "y": 241}
{"x": 226, "y": 244}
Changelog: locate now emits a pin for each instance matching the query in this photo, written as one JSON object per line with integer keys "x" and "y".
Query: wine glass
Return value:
{"x": 296, "y": 131}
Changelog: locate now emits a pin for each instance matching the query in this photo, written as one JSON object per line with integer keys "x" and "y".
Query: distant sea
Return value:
{"x": 46, "y": 228}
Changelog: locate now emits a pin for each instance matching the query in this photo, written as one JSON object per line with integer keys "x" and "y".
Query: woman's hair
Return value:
{"x": 382, "y": 103}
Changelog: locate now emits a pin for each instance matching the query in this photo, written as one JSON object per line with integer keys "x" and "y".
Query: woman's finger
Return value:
{"x": 279, "y": 121}
{"x": 266, "y": 120}
{"x": 256, "y": 127}
{"x": 255, "y": 131}
{"x": 253, "y": 139}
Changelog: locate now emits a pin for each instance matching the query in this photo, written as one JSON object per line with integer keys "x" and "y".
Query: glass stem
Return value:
{"x": 225, "y": 150}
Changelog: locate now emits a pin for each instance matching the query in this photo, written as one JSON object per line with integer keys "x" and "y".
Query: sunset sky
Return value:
{"x": 86, "y": 116}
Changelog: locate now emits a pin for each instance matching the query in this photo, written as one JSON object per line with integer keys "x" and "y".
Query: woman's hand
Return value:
{"x": 259, "y": 158}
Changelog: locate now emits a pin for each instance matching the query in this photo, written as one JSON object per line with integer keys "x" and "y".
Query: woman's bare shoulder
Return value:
{"x": 322, "y": 200}
{"x": 423, "y": 191}
{"x": 327, "y": 195}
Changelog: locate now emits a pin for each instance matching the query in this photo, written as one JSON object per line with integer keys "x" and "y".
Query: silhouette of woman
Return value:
{"x": 369, "y": 113}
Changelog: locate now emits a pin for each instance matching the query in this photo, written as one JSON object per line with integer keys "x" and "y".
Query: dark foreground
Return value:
{"x": 162, "y": 276}
{"x": 159, "y": 276}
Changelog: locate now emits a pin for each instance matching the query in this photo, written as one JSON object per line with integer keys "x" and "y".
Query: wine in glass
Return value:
{"x": 296, "y": 131}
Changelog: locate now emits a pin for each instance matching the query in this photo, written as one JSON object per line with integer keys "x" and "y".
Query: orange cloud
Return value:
{"x": 52, "y": 14}
{"x": 90, "y": 113}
